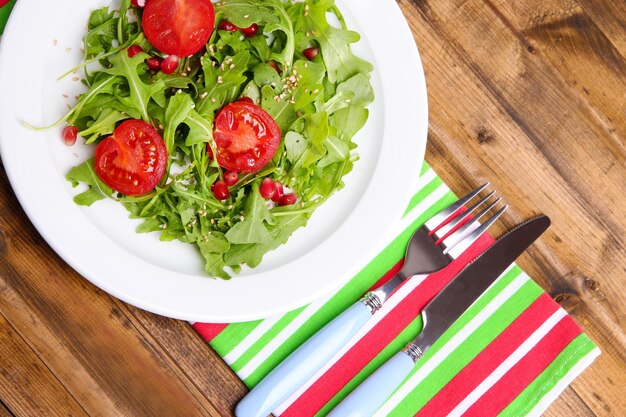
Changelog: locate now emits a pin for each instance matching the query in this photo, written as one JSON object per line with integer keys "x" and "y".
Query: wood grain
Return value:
{"x": 529, "y": 95}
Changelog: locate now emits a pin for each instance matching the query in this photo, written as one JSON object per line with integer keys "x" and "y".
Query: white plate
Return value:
{"x": 43, "y": 40}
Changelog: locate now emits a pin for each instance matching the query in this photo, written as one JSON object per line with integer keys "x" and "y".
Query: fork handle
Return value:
{"x": 303, "y": 363}
{"x": 374, "y": 391}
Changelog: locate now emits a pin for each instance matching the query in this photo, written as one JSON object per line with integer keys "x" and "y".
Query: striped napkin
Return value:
{"x": 511, "y": 354}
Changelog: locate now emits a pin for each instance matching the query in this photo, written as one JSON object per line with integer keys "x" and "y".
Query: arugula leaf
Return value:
{"x": 334, "y": 43}
{"x": 140, "y": 92}
{"x": 282, "y": 110}
{"x": 97, "y": 190}
{"x": 253, "y": 227}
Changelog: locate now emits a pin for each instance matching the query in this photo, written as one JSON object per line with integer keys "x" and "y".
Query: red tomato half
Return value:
{"x": 246, "y": 137}
{"x": 133, "y": 159}
{"x": 178, "y": 27}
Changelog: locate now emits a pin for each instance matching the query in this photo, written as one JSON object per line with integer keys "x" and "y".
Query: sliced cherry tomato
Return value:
{"x": 178, "y": 27}
{"x": 133, "y": 159}
{"x": 246, "y": 137}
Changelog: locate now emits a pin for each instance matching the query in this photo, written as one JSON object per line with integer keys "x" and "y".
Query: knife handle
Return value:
{"x": 374, "y": 391}
{"x": 303, "y": 363}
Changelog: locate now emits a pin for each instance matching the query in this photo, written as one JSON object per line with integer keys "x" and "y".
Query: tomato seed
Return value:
{"x": 288, "y": 199}
{"x": 169, "y": 64}
{"x": 70, "y": 133}
{"x": 231, "y": 178}
{"x": 220, "y": 190}
{"x": 134, "y": 50}
{"x": 154, "y": 63}
{"x": 268, "y": 188}
{"x": 227, "y": 26}
{"x": 278, "y": 193}
{"x": 311, "y": 53}
{"x": 251, "y": 30}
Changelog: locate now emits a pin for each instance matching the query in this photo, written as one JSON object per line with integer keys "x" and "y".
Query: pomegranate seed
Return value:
{"x": 70, "y": 133}
{"x": 139, "y": 3}
{"x": 268, "y": 188}
{"x": 278, "y": 193}
{"x": 251, "y": 30}
{"x": 311, "y": 53}
{"x": 154, "y": 63}
{"x": 227, "y": 26}
{"x": 134, "y": 50}
{"x": 246, "y": 100}
{"x": 288, "y": 199}
{"x": 169, "y": 64}
{"x": 231, "y": 178}
{"x": 274, "y": 65}
{"x": 220, "y": 190}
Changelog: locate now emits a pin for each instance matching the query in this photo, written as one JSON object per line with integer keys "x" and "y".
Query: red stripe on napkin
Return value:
{"x": 340, "y": 374}
{"x": 526, "y": 370}
{"x": 490, "y": 358}
{"x": 209, "y": 331}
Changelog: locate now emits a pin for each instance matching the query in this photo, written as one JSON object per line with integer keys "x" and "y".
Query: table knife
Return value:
{"x": 438, "y": 316}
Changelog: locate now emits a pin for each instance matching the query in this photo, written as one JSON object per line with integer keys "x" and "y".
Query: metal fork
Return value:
{"x": 443, "y": 238}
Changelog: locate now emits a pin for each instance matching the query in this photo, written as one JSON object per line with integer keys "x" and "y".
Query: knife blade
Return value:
{"x": 443, "y": 310}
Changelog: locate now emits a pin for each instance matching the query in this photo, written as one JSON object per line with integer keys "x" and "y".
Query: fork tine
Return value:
{"x": 444, "y": 216}
{"x": 455, "y": 250}
{"x": 443, "y": 231}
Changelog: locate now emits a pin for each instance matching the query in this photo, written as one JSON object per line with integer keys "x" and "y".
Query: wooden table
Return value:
{"x": 527, "y": 94}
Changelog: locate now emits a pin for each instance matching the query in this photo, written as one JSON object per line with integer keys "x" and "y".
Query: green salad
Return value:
{"x": 223, "y": 125}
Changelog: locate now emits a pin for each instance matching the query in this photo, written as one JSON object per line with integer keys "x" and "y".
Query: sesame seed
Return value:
{"x": 246, "y": 16}
{"x": 213, "y": 100}
{"x": 75, "y": 78}
{"x": 213, "y": 63}
{"x": 161, "y": 126}
{"x": 316, "y": 91}
{"x": 184, "y": 74}
{"x": 66, "y": 96}
{"x": 308, "y": 34}
{"x": 306, "y": 14}
{"x": 306, "y": 65}
{"x": 222, "y": 66}
{"x": 203, "y": 95}
{"x": 220, "y": 79}
{"x": 230, "y": 207}
{"x": 78, "y": 98}
{"x": 232, "y": 66}
{"x": 68, "y": 107}
{"x": 212, "y": 221}
{"x": 242, "y": 218}
{"x": 68, "y": 49}
{"x": 188, "y": 68}
{"x": 55, "y": 42}
{"x": 302, "y": 204}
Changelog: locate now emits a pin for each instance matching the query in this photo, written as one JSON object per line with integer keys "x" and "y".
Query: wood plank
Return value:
{"x": 22, "y": 373}
{"x": 579, "y": 52}
{"x": 201, "y": 366}
{"x": 568, "y": 404}
{"x": 4, "y": 411}
{"x": 493, "y": 102}
{"x": 610, "y": 17}
{"x": 79, "y": 332}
